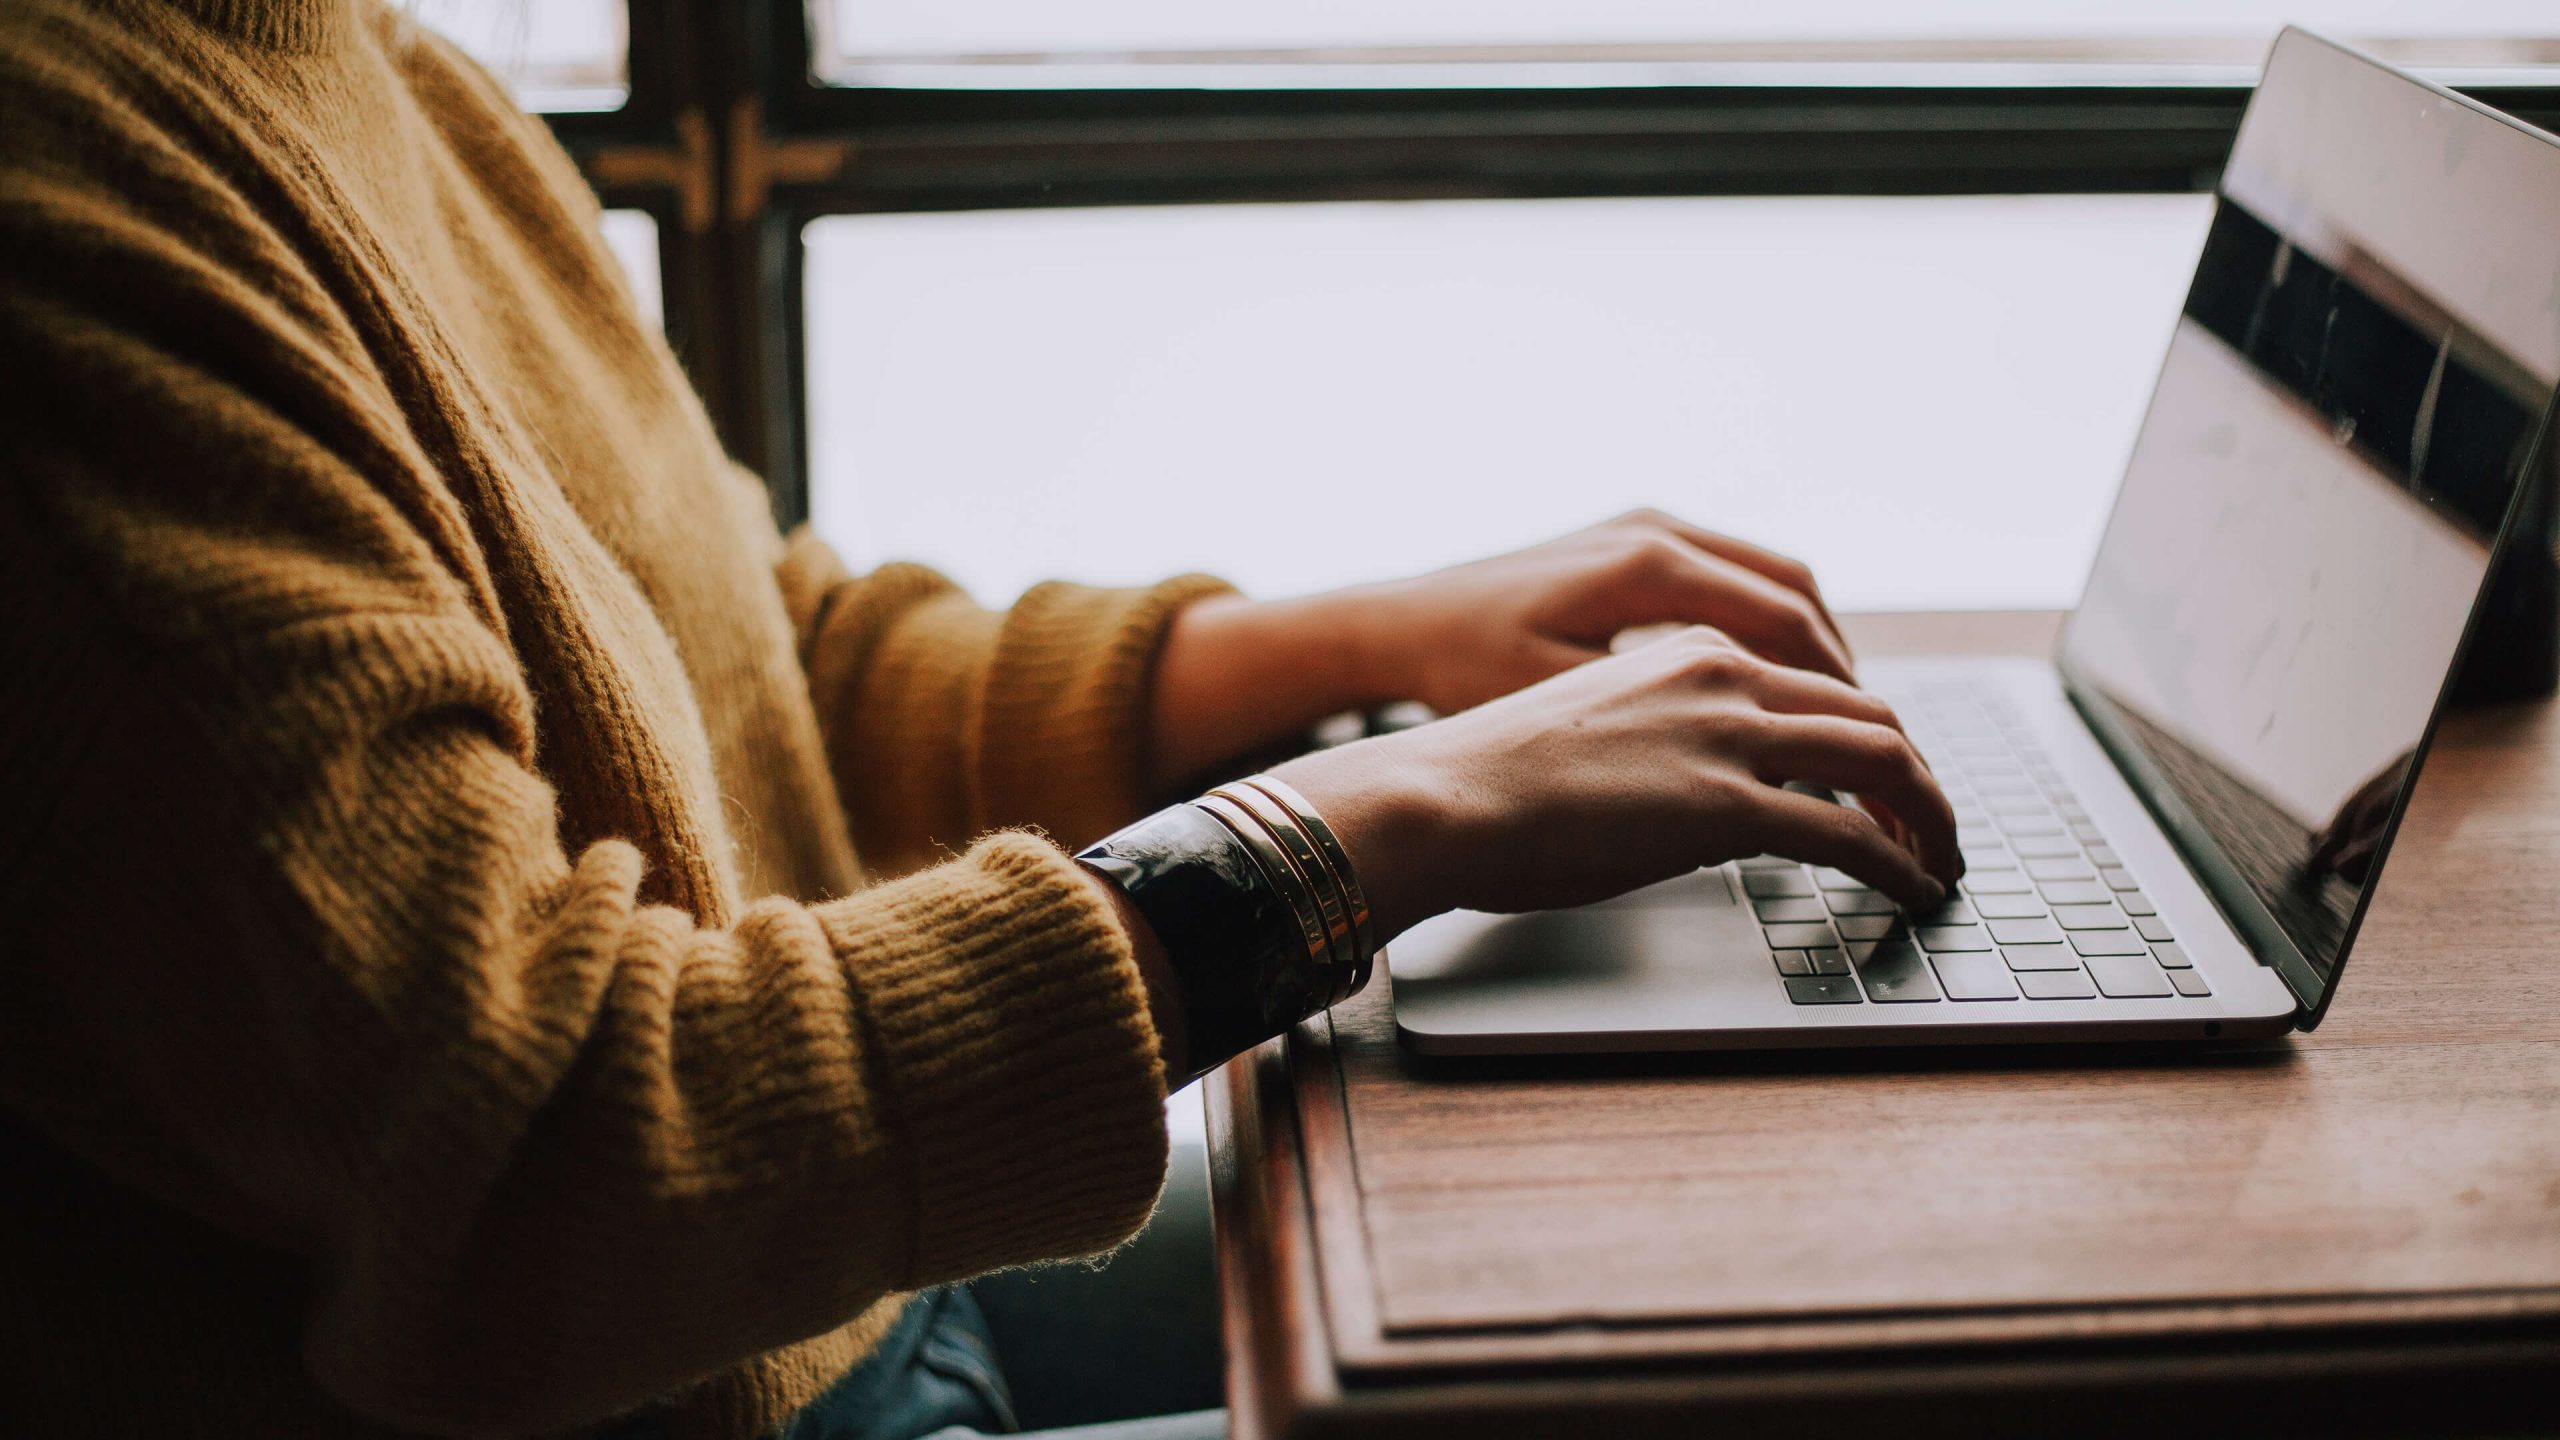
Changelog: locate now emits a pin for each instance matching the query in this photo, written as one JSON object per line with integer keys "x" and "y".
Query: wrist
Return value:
{"x": 1396, "y": 825}
{"x": 1237, "y": 675}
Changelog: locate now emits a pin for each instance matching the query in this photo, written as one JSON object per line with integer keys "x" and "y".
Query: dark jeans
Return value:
{"x": 934, "y": 1372}
{"x": 1071, "y": 1350}
{"x": 935, "y": 1378}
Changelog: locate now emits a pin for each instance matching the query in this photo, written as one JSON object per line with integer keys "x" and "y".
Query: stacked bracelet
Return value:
{"x": 1256, "y": 905}
{"x": 1311, "y": 868}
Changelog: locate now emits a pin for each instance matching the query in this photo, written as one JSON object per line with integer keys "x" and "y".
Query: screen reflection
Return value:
{"x": 2350, "y": 404}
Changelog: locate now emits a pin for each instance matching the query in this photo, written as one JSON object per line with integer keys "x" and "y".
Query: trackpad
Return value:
{"x": 1652, "y": 957}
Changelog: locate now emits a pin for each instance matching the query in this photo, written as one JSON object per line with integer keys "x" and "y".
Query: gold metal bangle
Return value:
{"x": 1331, "y": 845}
{"x": 1276, "y": 869}
{"x": 1293, "y": 838}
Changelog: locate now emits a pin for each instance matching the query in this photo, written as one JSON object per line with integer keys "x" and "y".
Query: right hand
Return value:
{"x": 1630, "y": 770}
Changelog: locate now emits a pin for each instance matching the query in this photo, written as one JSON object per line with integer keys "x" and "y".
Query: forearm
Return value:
{"x": 1239, "y": 675}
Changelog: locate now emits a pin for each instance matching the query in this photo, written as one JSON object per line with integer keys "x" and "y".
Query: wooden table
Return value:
{"x": 2357, "y": 1229}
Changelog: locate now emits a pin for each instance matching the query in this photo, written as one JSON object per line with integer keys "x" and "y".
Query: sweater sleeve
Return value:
{"x": 945, "y": 719}
{"x": 299, "y": 947}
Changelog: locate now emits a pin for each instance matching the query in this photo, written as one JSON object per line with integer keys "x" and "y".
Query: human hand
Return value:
{"x": 1629, "y": 770}
{"x": 1459, "y": 637}
{"x": 1237, "y": 674}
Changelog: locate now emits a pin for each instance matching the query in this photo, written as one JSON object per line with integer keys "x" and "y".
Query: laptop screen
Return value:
{"x": 2350, "y": 405}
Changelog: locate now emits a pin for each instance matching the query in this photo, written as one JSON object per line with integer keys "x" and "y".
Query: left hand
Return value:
{"x": 1238, "y": 674}
{"x": 1459, "y": 637}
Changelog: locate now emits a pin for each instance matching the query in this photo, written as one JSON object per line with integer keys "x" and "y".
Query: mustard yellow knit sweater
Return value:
{"x": 439, "y": 992}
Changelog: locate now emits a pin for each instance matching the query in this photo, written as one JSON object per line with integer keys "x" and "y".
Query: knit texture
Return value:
{"x": 442, "y": 994}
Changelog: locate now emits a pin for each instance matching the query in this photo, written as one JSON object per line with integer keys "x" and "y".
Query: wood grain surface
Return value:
{"x": 1491, "y": 1240}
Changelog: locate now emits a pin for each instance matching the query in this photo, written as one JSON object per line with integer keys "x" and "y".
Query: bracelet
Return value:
{"x": 1316, "y": 874}
{"x": 1275, "y": 832}
{"x": 1253, "y": 899}
{"x": 1364, "y": 929}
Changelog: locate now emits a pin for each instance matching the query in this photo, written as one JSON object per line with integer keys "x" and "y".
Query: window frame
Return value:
{"x": 733, "y": 145}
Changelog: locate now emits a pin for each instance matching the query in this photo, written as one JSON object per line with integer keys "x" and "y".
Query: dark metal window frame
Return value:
{"x": 733, "y": 148}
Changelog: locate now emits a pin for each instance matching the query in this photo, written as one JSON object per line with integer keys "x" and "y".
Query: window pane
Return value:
{"x": 1929, "y": 399}
{"x": 632, "y": 236}
{"x": 1039, "y": 42}
{"x": 556, "y": 55}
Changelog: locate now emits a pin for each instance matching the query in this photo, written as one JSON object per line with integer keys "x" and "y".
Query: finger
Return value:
{"x": 1820, "y": 833}
{"x": 1803, "y": 692}
{"x": 1800, "y": 692}
{"x": 1769, "y": 564}
{"x": 1875, "y": 763}
{"x": 1678, "y": 583}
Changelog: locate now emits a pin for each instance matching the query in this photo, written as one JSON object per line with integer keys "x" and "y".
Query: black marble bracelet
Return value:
{"x": 1231, "y": 937}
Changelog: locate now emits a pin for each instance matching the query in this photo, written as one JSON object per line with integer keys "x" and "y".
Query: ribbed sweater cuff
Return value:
{"x": 1065, "y": 724}
{"x": 1009, "y": 1028}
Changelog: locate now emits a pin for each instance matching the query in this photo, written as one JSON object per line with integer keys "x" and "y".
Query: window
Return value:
{"x": 632, "y": 236}
{"x": 559, "y": 56}
{"x": 857, "y": 207}
{"x": 1025, "y": 42}
{"x": 1304, "y": 396}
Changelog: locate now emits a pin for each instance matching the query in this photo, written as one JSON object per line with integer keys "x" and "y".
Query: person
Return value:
{"x": 505, "y": 942}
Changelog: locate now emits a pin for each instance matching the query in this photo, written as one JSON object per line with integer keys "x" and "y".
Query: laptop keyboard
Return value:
{"x": 2047, "y": 909}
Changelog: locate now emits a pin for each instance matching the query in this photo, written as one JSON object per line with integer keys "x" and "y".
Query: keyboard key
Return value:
{"x": 1952, "y": 937}
{"x": 1869, "y": 927}
{"x": 1859, "y": 902}
{"x": 1979, "y": 882}
{"x": 2037, "y": 931}
{"x": 1828, "y": 962}
{"x": 2128, "y": 977}
{"x": 1986, "y": 857}
{"x": 2008, "y": 907}
{"x": 1792, "y": 962}
{"x": 2136, "y": 903}
{"x": 2153, "y": 927}
{"x": 1790, "y": 911}
{"x": 1768, "y": 862}
{"x": 1985, "y": 836}
{"x": 2063, "y": 867}
{"x": 2030, "y": 825}
{"x": 2118, "y": 878}
{"x": 1798, "y": 937}
{"x": 2088, "y": 834}
{"x": 1974, "y": 976}
{"x": 2040, "y": 957}
{"x": 2189, "y": 982}
{"x": 1772, "y": 884}
{"x": 2104, "y": 856}
{"x": 2007, "y": 805}
{"x": 2110, "y": 942}
{"x": 2076, "y": 892}
{"x": 2035, "y": 847}
{"x": 1830, "y": 879}
{"x": 2068, "y": 984}
{"x": 1895, "y": 973}
{"x": 1956, "y": 911}
{"x": 1822, "y": 989}
{"x": 2088, "y": 917}
{"x": 2171, "y": 957}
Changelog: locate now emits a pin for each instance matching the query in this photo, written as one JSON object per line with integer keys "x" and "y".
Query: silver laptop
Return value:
{"x": 2171, "y": 828}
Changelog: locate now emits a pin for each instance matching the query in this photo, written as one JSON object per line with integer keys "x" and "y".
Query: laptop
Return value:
{"x": 2171, "y": 828}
